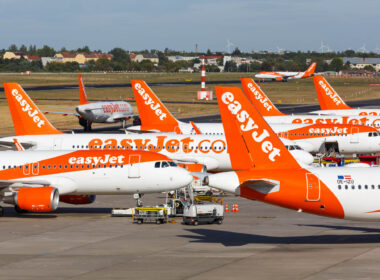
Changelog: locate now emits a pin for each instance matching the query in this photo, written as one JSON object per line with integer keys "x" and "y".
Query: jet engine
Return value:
{"x": 38, "y": 199}
{"x": 77, "y": 199}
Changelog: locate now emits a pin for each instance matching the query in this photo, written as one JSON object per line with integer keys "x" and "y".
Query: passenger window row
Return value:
{"x": 358, "y": 187}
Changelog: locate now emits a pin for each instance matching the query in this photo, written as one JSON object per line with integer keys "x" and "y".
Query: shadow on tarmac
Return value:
{"x": 230, "y": 238}
{"x": 10, "y": 212}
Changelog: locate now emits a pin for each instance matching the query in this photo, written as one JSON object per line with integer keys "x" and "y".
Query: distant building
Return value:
{"x": 356, "y": 73}
{"x": 175, "y": 58}
{"x": 80, "y": 58}
{"x": 361, "y": 62}
{"x": 140, "y": 57}
{"x": 13, "y": 55}
{"x": 31, "y": 58}
{"x": 46, "y": 60}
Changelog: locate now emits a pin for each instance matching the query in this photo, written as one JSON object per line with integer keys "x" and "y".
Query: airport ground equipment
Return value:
{"x": 203, "y": 212}
{"x": 156, "y": 215}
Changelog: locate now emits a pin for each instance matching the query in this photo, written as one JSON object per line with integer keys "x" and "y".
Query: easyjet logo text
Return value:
{"x": 161, "y": 144}
{"x": 247, "y": 125}
{"x": 334, "y": 96}
{"x": 263, "y": 100}
{"x": 333, "y": 130}
{"x": 115, "y": 108}
{"x": 373, "y": 122}
{"x": 32, "y": 113}
{"x": 150, "y": 102}
{"x": 106, "y": 159}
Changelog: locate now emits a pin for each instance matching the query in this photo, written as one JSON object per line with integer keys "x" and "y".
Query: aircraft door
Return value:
{"x": 134, "y": 166}
{"x": 313, "y": 187}
{"x": 354, "y": 135}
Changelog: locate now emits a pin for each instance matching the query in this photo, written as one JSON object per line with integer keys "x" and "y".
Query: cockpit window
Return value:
{"x": 157, "y": 164}
{"x": 172, "y": 163}
{"x": 165, "y": 164}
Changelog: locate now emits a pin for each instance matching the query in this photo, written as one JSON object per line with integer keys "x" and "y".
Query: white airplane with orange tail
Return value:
{"x": 272, "y": 115}
{"x": 267, "y": 172}
{"x": 343, "y": 138}
{"x": 36, "y": 180}
{"x": 34, "y": 131}
{"x": 332, "y": 104}
{"x": 284, "y": 76}
{"x": 98, "y": 112}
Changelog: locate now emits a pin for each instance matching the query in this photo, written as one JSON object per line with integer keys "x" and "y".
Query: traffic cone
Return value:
{"x": 233, "y": 208}
{"x": 237, "y": 208}
{"x": 226, "y": 209}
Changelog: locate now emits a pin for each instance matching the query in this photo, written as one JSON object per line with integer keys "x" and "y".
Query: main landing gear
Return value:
{"x": 86, "y": 124}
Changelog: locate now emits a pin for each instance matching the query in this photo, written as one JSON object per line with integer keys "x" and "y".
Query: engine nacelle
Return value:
{"x": 41, "y": 199}
{"x": 77, "y": 199}
{"x": 194, "y": 167}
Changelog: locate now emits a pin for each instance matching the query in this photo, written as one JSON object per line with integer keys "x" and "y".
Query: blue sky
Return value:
{"x": 136, "y": 25}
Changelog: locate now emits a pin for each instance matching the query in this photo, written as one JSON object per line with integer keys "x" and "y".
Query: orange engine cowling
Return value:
{"x": 41, "y": 199}
{"x": 278, "y": 79}
{"x": 77, "y": 199}
{"x": 194, "y": 167}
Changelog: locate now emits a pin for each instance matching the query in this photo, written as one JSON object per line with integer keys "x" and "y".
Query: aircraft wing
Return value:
{"x": 121, "y": 118}
{"x": 23, "y": 183}
{"x": 62, "y": 113}
{"x": 63, "y": 108}
{"x": 12, "y": 145}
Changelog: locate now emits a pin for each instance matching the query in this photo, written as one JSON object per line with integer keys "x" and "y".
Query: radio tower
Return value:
{"x": 203, "y": 94}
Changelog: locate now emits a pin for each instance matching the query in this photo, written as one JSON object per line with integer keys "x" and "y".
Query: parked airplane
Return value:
{"x": 98, "y": 112}
{"x": 314, "y": 138}
{"x": 271, "y": 114}
{"x": 284, "y": 76}
{"x": 268, "y": 172}
{"x": 332, "y": 104}
{"x": 36, "y": 180}
{"x": 35, "y": 132}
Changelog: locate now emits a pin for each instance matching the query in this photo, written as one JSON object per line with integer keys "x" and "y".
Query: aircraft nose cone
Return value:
{"x": 184, "y": 177}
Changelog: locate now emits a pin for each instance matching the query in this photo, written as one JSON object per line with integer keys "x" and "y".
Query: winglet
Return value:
{"x": 251, "y": 142}
{"x": 259, "y": 99}
{"x": 328, "y": 98}
{"x": 196, "y": 129}
{"x": 82, "y": 91}
{"x": 27, "y": 118}
{"x": 310, "y": 71}
{"x": 153, "y": 114}
{"x": 19, "y": 147}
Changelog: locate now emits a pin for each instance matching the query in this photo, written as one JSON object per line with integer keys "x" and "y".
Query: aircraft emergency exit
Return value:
{"x": 332, "y": 104}
{"x": 98, "y": 112}
{"x": 268, "y": 173}
{"x": 284, "y": 76}
{"x": 36, "y": 180}
{"x": 35, "y": 132}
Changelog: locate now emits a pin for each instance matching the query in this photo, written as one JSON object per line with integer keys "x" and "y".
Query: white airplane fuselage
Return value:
{"x": 105, "y": 112}
{"x": 209, "y": 150}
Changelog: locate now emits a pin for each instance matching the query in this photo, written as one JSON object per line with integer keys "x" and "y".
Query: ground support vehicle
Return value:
{"x": 156, "y": 215}
{"x": 203, "y": 213}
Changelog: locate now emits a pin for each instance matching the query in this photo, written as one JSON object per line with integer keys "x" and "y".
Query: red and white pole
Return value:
{"x": 203, "y": 77}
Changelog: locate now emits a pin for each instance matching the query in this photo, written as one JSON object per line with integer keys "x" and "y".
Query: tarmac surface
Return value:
{"x": 259, "y": 242}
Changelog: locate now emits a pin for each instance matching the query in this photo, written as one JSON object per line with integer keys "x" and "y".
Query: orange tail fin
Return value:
{"x": 27, "y": 118}
{"x": 327, "y": 96}
{"x": 259, "y": 99}
{"x": 82, "y": 91}
{"x": 310, "y": 71}
{"x": 153, "y": 114}
{"x": 251, "y": 141}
